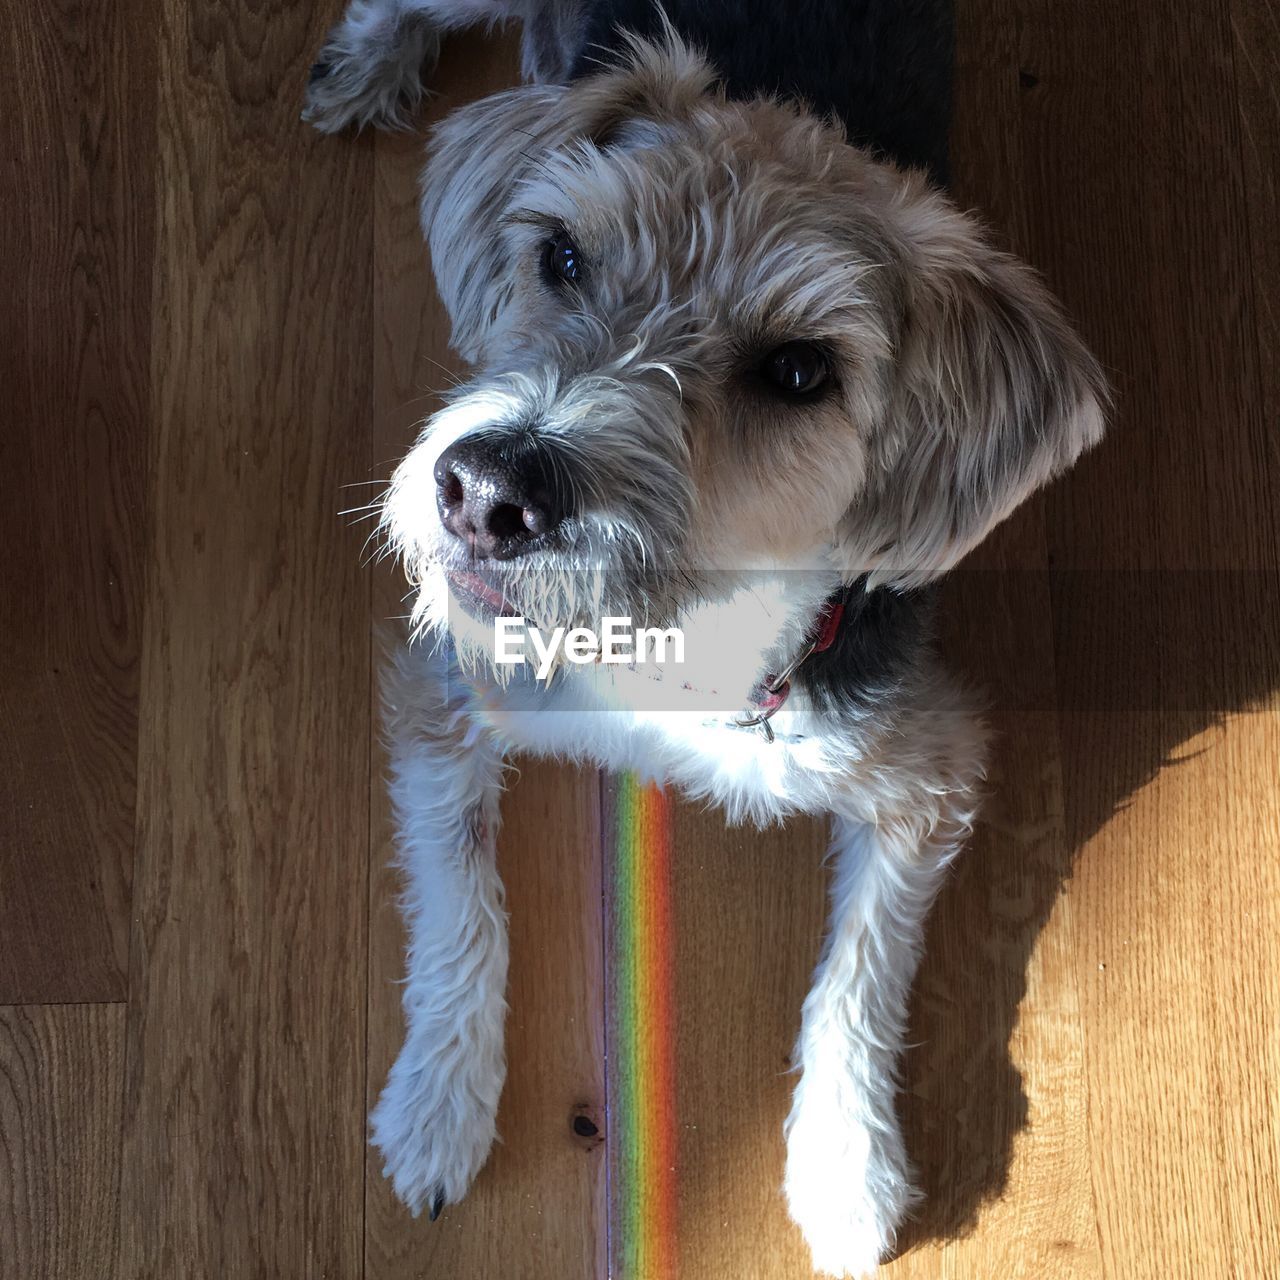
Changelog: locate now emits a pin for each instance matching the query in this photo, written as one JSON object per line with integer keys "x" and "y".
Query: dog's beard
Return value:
{"x": 735, "y": 624}
{"x": 549, "y": 596}
{"x": 459, "y": 599}
{"x": 619, "y": 556}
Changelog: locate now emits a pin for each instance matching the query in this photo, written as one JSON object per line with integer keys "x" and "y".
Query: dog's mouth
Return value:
{"x": 548, "y": 595}
{"x": 478, "y": 594}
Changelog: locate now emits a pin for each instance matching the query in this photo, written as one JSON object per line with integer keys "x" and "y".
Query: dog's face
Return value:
{"x": 711, "y": 336}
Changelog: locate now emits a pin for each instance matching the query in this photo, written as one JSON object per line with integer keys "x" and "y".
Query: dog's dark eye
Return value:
{"x": 796, "y": 368}
{"x": 561, "y": 260}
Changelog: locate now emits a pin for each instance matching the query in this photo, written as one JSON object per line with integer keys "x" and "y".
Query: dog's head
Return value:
{"x": 711, "y": 335}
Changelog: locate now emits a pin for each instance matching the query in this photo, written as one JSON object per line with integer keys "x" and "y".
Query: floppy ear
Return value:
{"x": 482, "y": 152}
{"x": 992, "y": 395}
{"x": 479, "y": 155}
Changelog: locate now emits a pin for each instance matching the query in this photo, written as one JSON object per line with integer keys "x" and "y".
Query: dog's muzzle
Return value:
{"x": 500, "y": 495}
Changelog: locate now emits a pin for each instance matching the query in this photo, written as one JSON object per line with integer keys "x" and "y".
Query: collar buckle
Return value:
{"x": 769, "y": 695}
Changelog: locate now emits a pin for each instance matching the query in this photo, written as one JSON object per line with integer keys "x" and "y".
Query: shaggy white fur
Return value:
{"x": 434, "y": 1123}
{"x": 903, "y": 800}
{"x": 675, "y": 484}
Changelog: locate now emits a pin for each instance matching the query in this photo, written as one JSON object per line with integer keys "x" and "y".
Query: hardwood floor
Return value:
{"x": 217, "y": 320}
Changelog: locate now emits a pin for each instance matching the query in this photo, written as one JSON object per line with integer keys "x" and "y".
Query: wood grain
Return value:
{"x": 244, "y": 1116}
{"x": 61, "y": 1078}
{"x": 76, "y": 126}
{"x": 749, "y": 911}
{"x": 1163, "y": 548}
{"x": 1255, "y": 26}
{"x": 217, "y": 320}
{"x": 994, "y": 1087}
{"x": 538, "y": 1208}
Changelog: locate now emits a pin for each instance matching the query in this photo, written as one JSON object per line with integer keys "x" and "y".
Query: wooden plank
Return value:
{"x": 749, "y": 911}
{"x": 61, "y": 1078}
{"x": 76, "y": 122}
{"x": 995, "y": 1086}
{"x": 537, "y": 1209}
{"x": 996, "y": 1094}
{"x": 1166, "y": 539}
{"x": 1255, "y": 26}
{"x": 1244, "y": 974}
{"x": 1241, "y": 967}
{"x": 995, "y": 1091}
{"x": 244, "y": 1108}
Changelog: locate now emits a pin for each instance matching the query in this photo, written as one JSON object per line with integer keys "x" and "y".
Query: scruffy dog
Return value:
{"x": 735, "y": 375}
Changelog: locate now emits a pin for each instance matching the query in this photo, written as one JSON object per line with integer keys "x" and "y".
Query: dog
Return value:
{"x": 742, "y": 370}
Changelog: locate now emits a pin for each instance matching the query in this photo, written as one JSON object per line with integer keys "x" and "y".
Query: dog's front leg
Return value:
{"x": 848, "y": 1182}
{"x": 435, "y": 1120}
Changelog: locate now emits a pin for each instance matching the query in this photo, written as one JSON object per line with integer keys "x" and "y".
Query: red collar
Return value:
{"x": 829, "y": 619}
{"x": 772, "y": 690}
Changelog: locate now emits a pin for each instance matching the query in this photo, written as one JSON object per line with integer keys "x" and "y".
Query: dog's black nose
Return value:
{"x": 500, "y": 495}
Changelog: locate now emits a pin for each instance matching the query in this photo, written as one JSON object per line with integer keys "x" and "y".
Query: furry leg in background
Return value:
{"x": 372, "y": 66}
{"x": 435, "y": 1120}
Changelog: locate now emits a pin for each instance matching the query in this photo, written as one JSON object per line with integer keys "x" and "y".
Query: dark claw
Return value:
{"x": 319, "y": 71}
{"x": 436, "y": 1205}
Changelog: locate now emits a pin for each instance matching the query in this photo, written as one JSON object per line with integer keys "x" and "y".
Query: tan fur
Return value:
{"x": 714, "y": 231}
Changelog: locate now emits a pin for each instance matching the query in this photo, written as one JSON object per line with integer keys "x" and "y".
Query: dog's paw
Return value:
{"x": 370, "y": 72}
{"x": 434, "y": 1129}
{"x": 847, "y": 1192}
